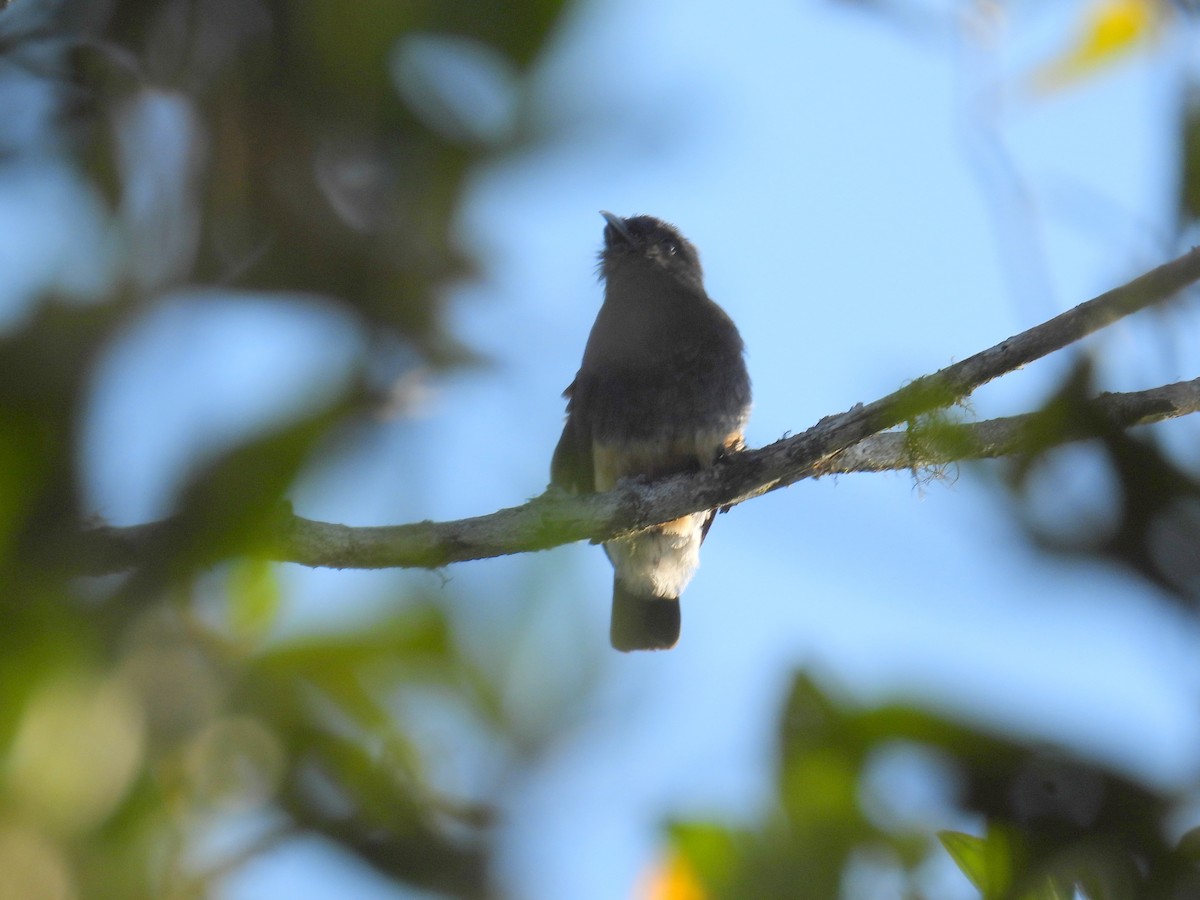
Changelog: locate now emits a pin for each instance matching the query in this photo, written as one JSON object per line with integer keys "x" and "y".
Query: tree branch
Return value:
{"x": 556, "y": 518}
{"x": 1005, "y": 436}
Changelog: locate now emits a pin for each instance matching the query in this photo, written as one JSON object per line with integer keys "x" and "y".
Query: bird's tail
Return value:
{"x": 643, "y": 623}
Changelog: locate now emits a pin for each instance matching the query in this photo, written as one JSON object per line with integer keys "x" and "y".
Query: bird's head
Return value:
{"x": 644, "y": 247}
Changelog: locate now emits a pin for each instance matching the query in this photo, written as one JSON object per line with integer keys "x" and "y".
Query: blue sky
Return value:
{"x": 870, "y": 205}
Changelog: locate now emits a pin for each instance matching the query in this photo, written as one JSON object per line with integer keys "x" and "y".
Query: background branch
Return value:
{"x": 556, "y": 518}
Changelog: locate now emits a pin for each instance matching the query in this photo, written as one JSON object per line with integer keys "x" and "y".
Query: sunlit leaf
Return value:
{"x": 254, "y": 596}
{"x": 1109, "y": 31}
{"x": 986, "y": 861}
{"x": 709, "y": 849}
{"x": 34, "y": 865}
{"x": 671, "y": 878}
{"x": 76, "y": 751}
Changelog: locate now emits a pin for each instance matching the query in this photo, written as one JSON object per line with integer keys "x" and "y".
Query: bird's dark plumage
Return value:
{"x": 663, "y": 388}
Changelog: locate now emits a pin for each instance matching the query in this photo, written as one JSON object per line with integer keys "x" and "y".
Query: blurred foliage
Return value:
{"x": 322, "y": 149}
{"x": 1019, "y": 820}
{"x": 1152, "y": 521}
{"x": 1055, "y": 824}
{"x": 1038, "y": 822}
{"x": 311, "y": 150}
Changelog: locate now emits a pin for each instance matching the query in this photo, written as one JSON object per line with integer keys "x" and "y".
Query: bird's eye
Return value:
{"x": 671, "y": 247}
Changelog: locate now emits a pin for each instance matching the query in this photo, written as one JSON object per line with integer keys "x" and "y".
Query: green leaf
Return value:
{"x": 710, "y": 849}
{"x": 986, "y": 861}
{"x": 254, "y": 596}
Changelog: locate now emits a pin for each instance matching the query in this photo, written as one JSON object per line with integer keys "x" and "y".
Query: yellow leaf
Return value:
{"x": 673, "y": 878}
{"x": 1111, "y": 29}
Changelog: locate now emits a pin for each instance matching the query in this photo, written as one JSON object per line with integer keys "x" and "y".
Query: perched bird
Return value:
{"x": 662, "y": 389}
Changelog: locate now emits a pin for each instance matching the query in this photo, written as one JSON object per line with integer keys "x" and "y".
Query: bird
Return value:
{"x": 663, "y": 388}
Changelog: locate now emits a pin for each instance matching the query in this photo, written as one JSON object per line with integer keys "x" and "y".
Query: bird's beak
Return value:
{"x": 618, "y": 225}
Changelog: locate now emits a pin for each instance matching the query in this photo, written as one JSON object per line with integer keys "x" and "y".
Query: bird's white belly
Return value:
{"x": 661, "y": 562}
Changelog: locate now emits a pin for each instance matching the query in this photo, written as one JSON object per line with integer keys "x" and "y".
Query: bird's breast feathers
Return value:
{"x": 655, "y": 457}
